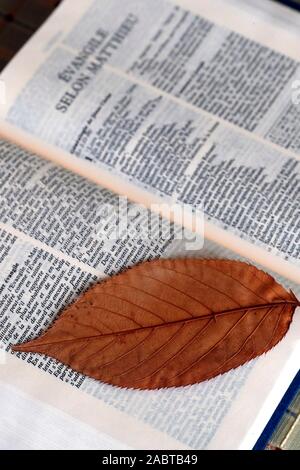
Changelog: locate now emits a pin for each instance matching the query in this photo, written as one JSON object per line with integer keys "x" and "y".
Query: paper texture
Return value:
{"x": 30, "y": 424}
{"x": 151, "y": 95}
{"x": 46, "y": 262}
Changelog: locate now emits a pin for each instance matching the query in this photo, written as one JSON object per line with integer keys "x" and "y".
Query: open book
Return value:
{"x": 191, "y": 102}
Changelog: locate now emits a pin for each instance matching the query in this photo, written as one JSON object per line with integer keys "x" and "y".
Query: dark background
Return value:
{"x": 18, "y": 21}
{"x": 20, "y": 18}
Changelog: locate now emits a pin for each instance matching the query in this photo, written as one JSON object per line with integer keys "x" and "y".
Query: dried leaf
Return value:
{"x": 170, "y": 323}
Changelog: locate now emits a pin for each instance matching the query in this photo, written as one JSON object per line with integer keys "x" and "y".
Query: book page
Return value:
{"x": 119, "y": 93}
{"x": 54, "y": 245}
{"x": 179, "y": 99}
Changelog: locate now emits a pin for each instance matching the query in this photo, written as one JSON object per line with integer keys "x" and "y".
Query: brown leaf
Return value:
{"x": 170, "y": 323}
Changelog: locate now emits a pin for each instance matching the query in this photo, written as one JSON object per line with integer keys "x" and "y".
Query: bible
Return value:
{"x": 132, "y": 108}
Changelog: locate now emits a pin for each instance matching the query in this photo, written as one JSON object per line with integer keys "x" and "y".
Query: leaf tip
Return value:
{"x": 295, "y": 298}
